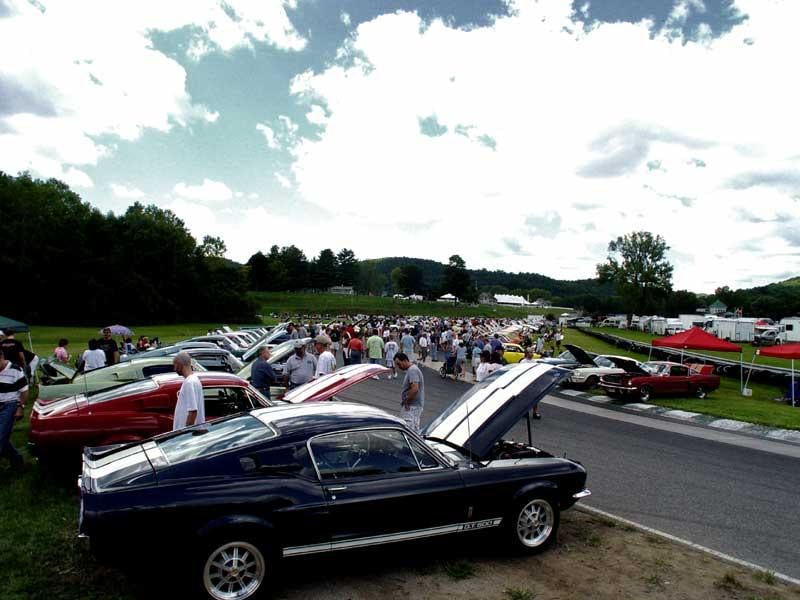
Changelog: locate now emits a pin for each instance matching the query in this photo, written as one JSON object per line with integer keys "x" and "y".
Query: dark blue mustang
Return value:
{"x": 241, "y": 493}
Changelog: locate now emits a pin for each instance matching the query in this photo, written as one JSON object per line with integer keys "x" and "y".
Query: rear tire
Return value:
{"x": 532, "y": 524}
{"x": 235, "y": 566}
{"x": 700, "y": 392}
{"x": 645, "y": 393}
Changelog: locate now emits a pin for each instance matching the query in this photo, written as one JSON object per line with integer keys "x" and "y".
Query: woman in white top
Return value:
{"x": 93, "y": 358}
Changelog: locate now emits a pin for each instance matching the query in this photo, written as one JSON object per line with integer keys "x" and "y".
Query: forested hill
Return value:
{"x": 526, "y": 284}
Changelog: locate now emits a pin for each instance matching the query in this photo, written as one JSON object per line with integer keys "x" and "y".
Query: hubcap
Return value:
{"x": 535, "y": 523}
{"x": 234, "y": 571}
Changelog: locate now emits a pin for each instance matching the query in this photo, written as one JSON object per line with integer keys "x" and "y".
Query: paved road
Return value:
{"x": 735, "y": 500}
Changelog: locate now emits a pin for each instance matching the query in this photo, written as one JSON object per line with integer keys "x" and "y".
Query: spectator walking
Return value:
{"x": 375, "y": 347}
{"x": 109, "y": 346}
{"x": 346, "y": 338}
{"x": 529, "y": 359}
{"x": 94, "y": 357}
{"x": 423, "y": 346}
{"x": 60, "y": 353}
{"x": 190, "y": 408}
{"x": 482, "y": 371}
{"x": 356, "y": 349}
{"x": 300, "y": 368}
{"x": 262, "y": 374}
{"x": 460, "y": 352}
{"x": 412, "y": 396}
{"x": 496, "y": 343}
{"x": 13, "y": 395}
{"x": 392, "y": 349}
{"x": 435, "y": 337}
{"x": 326, "y": 363}
{"x": 559, "y": 337}
{"x": 335, "y": 337}
{"x": 407, "y": 343}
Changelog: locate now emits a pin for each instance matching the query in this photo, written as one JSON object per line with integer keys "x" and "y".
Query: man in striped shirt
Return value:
{"x": 13, "y": 395}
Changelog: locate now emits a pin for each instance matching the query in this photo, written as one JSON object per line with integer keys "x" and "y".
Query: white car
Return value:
{"x": 607, "y": 364}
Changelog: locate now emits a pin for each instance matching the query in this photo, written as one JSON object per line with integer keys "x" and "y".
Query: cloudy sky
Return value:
{"x": 521, "y": 135}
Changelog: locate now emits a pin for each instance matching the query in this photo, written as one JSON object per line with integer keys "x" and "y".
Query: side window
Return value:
{"x": 425, "y": 460}
{"x": 789, "y": 327}
{"x": 679, "y": 371}
{"x": 156, "y": 369}
{"x": 222, "y": 401}
{"x": 363, "y": 453}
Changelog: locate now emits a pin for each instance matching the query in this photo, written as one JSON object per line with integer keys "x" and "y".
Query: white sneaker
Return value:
{"x": 375, "y": 377}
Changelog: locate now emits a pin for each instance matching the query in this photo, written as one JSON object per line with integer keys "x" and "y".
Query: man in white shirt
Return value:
{"x": 94, "y": 357}
{"x": 326, "y": 363}
{"x": 190, "y": 408}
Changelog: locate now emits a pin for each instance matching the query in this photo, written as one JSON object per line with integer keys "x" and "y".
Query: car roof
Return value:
{"x": 315, "y": 418}
{"x": 206, "y": 378}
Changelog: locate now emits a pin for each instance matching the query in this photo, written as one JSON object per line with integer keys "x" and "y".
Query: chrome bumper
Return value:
{"x": 585, "y": 493}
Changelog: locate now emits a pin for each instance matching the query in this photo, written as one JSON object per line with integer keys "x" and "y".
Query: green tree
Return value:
{"x": 456, "y": 278}
{"x": 323, "y": 270}
{"x": 213, "y": 247}
{"x": 295, "y": 263}
{"x": 346, "y": 267}
{"x": 638, "y": 267}
{"x": 259, "y": 272}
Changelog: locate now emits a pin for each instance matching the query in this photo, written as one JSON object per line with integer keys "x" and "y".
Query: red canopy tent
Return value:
{"x": 699, "y": 339}
{"x": 696, "y": 339}
{"x": 788, "y": 351}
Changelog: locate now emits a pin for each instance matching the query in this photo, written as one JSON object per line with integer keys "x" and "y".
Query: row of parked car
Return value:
{"x": 622, "y": 376}
{"x": 266, "y": 480}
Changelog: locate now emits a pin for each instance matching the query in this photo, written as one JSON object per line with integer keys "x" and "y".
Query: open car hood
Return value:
{"x": 630, "y": 365}
{"x": 334, "y": 383}
{"x": 580, "y": 354}
{"x": 479, "y": 419}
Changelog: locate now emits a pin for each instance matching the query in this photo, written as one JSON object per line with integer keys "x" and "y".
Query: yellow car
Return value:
{"x": 513, "y": 353}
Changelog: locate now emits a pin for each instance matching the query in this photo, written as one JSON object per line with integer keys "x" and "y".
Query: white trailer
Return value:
{"x": 674, "y": 326}
{"x": 790, "y": 329}
{"x": 658, "y": 326}
{"x": 692, "y": 320}
{"x": 734, "y": 330}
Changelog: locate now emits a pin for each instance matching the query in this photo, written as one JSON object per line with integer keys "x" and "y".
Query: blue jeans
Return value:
{"x": 7, "y": 410}
{"x": 434, "y": 356}
{"x": 355, "y": 357}
{"x": 374, "y": 361}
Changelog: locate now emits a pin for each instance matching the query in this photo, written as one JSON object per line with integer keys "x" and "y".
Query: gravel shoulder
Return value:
{"x": 595, "y": 558}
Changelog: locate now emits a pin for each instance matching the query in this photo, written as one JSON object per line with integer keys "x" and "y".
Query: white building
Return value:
{"x": 511, "y": 300}
{"x": 345, "y": 290}
{"x": 447, "y": 298}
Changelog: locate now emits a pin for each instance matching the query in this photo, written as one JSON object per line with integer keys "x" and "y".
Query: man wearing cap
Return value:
{"x": 326, "y": 363}
{"x": 300, "y": 367}
{"x": 13, "y": 395}
{"x": 262, "y": 373}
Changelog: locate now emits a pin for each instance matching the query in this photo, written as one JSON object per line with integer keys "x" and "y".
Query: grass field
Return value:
{"x": 336, "y": 304}
{"x": 749, "y": 349}
{"x": 726, "y": 402}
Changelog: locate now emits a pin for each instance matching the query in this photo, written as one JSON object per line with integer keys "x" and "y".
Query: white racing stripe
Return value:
{"x": 721, "y": 555}
{"x": 377, "y": 540}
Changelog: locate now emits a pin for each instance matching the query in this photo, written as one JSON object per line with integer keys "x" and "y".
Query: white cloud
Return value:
{"x": 345, "y": 18}
{"x": 269, "y": 135}
{"x": 75, "y": 73}
{"x": 521, "y": 139}
{"x": 209, "y": 191}
{"x": 284, "y": 181}
{"x": 77, "y": 178}
{"x": 316, "y": 115}
{"x": 126, "y": 192}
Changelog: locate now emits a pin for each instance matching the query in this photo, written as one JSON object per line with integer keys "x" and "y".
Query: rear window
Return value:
{"x": 214, "y": 437}
{"x": 122, "y": 390}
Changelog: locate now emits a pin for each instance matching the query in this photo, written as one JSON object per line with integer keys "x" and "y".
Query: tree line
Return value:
{"x": 64, "y": 261}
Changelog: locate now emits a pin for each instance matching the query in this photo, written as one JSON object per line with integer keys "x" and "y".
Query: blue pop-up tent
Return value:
{"x": 8, "y": 325}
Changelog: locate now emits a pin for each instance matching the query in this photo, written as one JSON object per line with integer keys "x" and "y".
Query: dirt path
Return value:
{"x": 595, "y": 559}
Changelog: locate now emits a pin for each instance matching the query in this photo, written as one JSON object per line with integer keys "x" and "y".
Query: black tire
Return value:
{"x": 700, "y": 392}
{"x": 645, "y": 392}
{"x": 592, "y": 381}
{"x": 250, "y": 557}
{"x": 442, "y": 372}
{"x": 532, "y": 523}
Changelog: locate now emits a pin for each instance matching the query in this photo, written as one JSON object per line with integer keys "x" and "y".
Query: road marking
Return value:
{"x": 571, "y": 392}
{"x": 683, "y": 542}
{"x": 705, "y": 433}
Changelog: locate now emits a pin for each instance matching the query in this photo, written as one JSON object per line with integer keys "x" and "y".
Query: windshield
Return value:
{"x": 655, "y": 368}
{"x": 602, "y": 361}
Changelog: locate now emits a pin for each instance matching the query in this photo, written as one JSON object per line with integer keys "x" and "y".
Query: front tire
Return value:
{"x": 235, "y": 567}
{"x": 533, "y": 524}
{"x": 700, "y": 392}
{"x": 645, "y": 392}
{"x": 591, "y": 382}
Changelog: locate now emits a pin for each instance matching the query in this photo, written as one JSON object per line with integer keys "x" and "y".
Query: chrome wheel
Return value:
{"x": 644, "y": 393}
{"x": 234, "y": 571}
{"x": 535, "y": 523}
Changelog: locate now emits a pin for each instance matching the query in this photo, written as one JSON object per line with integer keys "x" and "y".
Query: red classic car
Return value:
{"x": 130, "y": 412}
{"x": 142, "y": 409}
{"x": 660, "y": 378}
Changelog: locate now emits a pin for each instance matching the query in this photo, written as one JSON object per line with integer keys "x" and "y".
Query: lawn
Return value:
{"x": 749, "y": 349}
{"x": 726, "y": 402}
{"x": 335, "y": 304}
